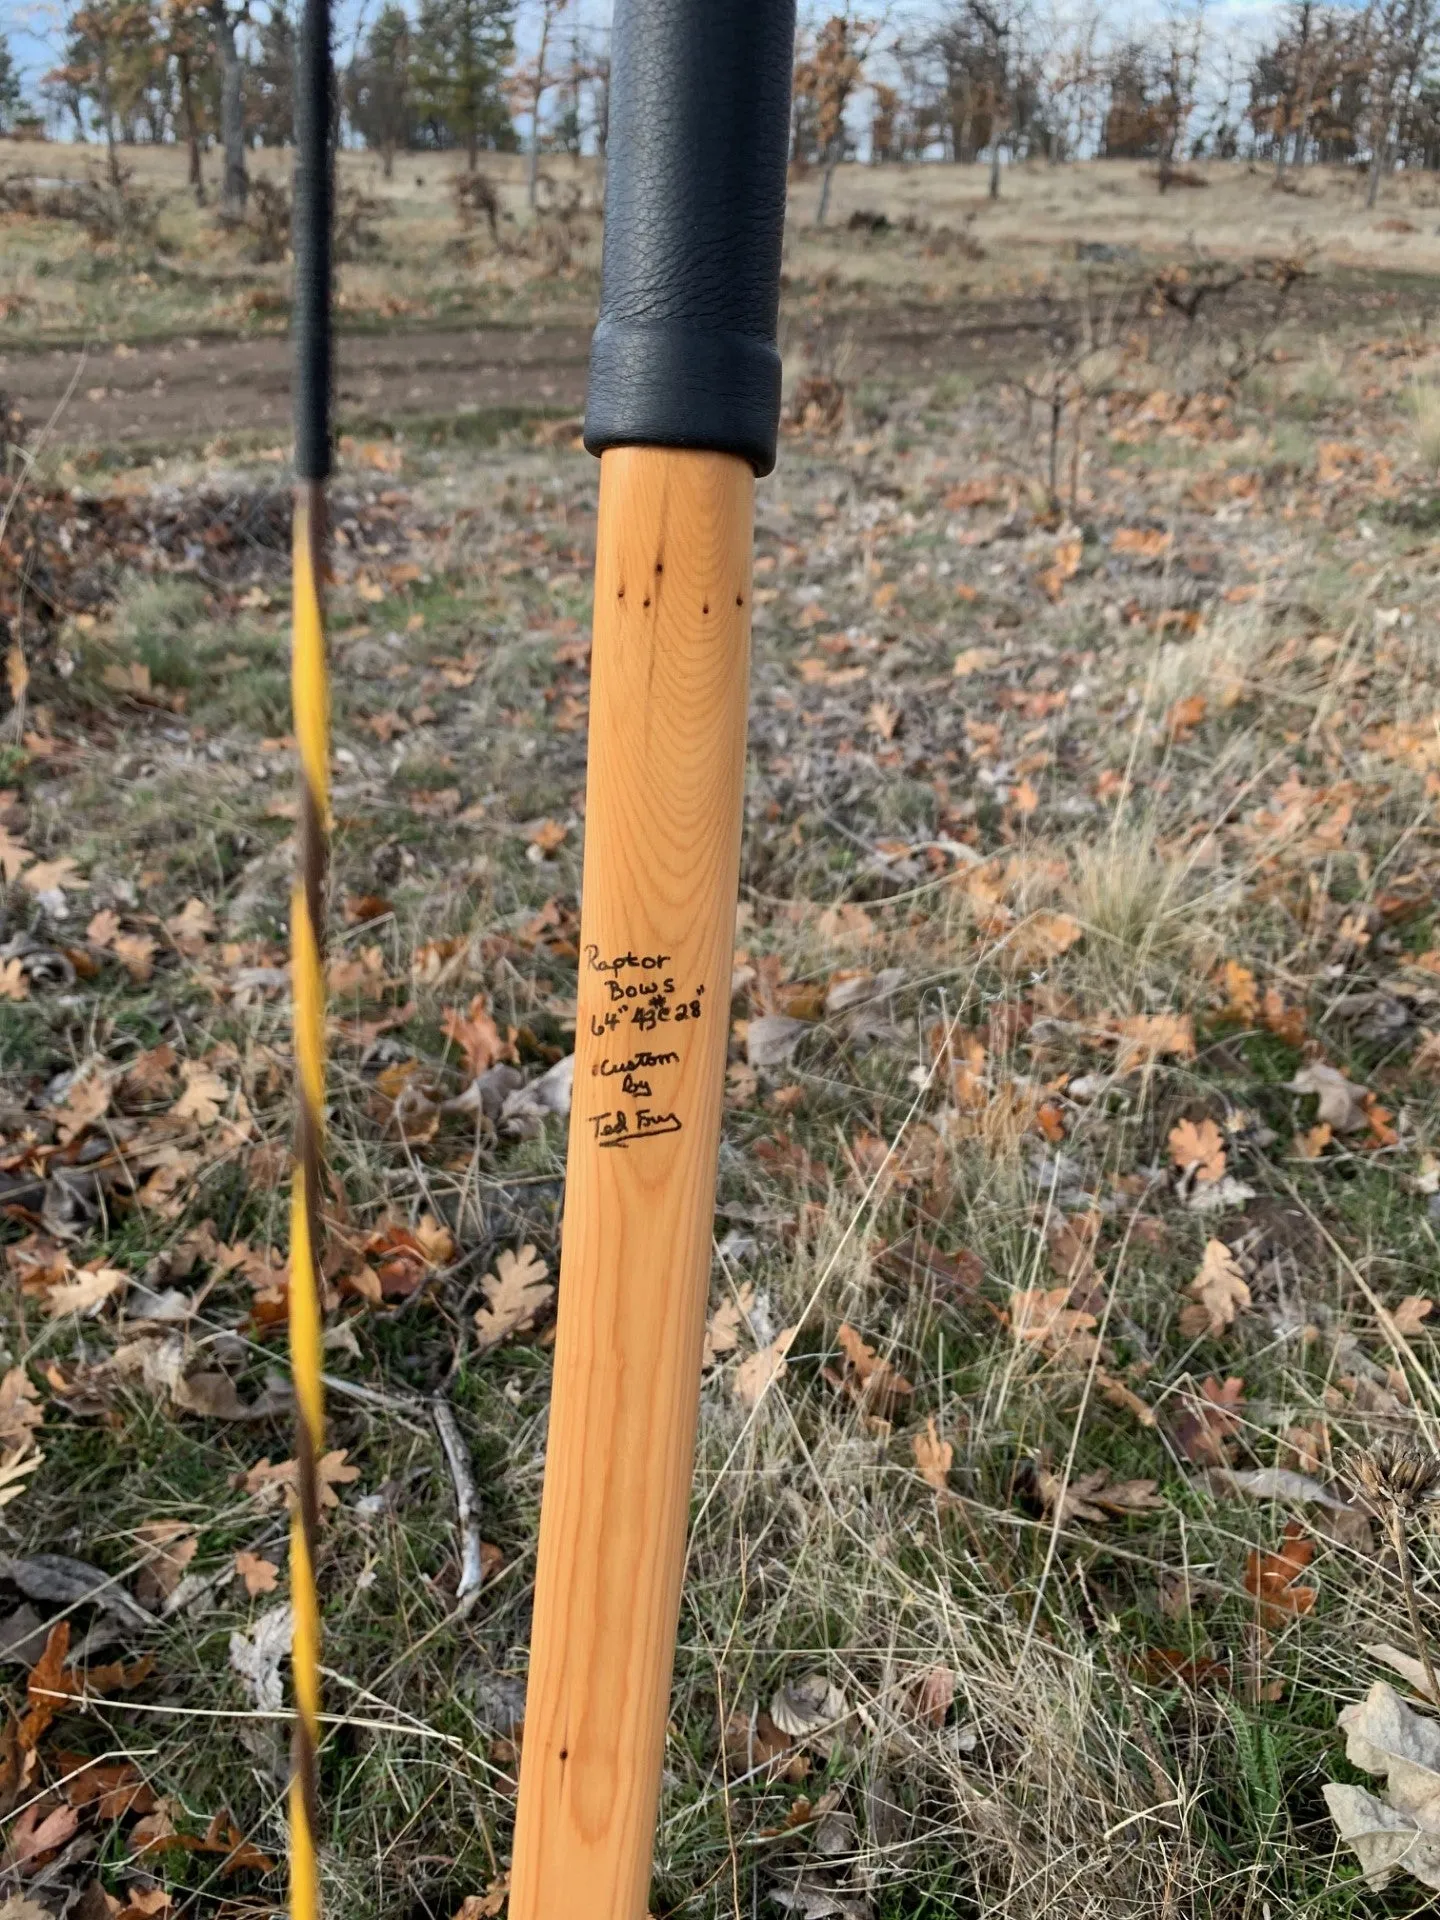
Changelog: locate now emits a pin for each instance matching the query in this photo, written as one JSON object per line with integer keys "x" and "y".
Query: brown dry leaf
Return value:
{"x": 1064, "y": 566}
{"x": 1272, "y": 1578}
{"x": 14, "y": 855}
{"x": 882, "y": 719}
{"x": 17, "y": 672}
{"x": 487, "y": 1905}
{"x": 210, "y": 1393}
{"x": 517, "y": 1291}
{"x": 755, "y": 1374}
{"x": 133, "y": 677}
{"x": 1199, "y": 1146}
{"x": 1341, "y": 1102}
{"x": 1313, "y": 1142}
{"x": 722, "y": 1329}
{"x": 191, "y": 928}
{"x": 269, "y": 1482}
{"x": 36, "y": 1835}
{"x": 51, "y": 1683}
{"x": 1147, "y": 543}
{"x": 20, "y": 1409}
{"x": 1183, "y": 718}
{"x": 46, "y": 876}
{"x": 872, "y": 1382}
{"x": 103, "y": 927}
{"x": 170, "y": 1547}
{"x": 260, "y": 1575}
{"x": 136, "y": 953}
{"x": 14, "y": 981}
{"x": 476, "y": 1035}
{"x": 547, "y": 836}
{"x": 1043, "y": 936}
{"x": 405, "y": 1258}
{"x": 934, "y": 1695}
{"x": 1093, "y": 1496}
{"x": 1286, "y": 1023}
{"x": 204, "y": 1097}
{"x": 1409, "y": 1317}
{"x": 1208, "y": 1420}
{"x": 1145, "y": 1037}
{"x": 933, "y": 1456}
{"x": 1043, "y": 1316}
{"x": 87, "y": 1101}
{"x": 88, "y": 1289}
{"x": 1219, "y": 1290}
{"x": 1242, "y": 997}
{"x": 113, "y": 1787}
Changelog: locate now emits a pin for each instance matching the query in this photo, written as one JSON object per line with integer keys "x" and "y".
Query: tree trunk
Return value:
{"x": 532, "y": 184}
{"x": 831, "y": 162}
{"x": 192, "y": 130}
{"x": 236, "y": 189}
{"x": 995, "y": 171}
{"x": 387, "y": 160}
{"x": 1377, "y": 167}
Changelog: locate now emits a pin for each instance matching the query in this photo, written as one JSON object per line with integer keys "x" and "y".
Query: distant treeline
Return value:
{"x": 969, "y": 79}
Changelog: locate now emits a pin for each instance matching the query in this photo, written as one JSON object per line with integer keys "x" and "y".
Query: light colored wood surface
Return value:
{"x": 668, "y": 694}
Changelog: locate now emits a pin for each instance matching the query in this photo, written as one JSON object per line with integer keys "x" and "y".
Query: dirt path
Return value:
{"x": 194, "y": 389}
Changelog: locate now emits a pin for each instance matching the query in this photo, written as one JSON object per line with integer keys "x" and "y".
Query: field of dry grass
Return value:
{"x": 1081, "y": 1167}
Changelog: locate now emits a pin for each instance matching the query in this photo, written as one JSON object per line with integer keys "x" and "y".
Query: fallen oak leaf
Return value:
{"x": 516, "y": 1293}
{"x": 1198, "y": 1146}
{"x": 1409, "y": 1317}
{"x": 52, "y": 876}
{"x": 37, "y": 1836}
{"x": 722, "y": 1329}
{"x": 934, "y": 1695}
{"x": 260, "y": 1575}
{"x": 1093, "y": 1496}
{"x": 265, "y": 1481}
{"x": 205, "y": 1095}
{"x": 90, "y": 1288}
{"x": 14, "y": 855}
{"x": 1219, "y": 1291}
{"x": 476, "y": 1035}
{"x": 1272, "y": 1579}
{"x": 113, "y": 1787}
{"x": 170, "y": 1546}
{"x": 1147, "y": 1037}
{"x": 50, "y": 1684}
{"x": 872, "y": 1382}
{"x": 192, "y": 927}
{"x": 1208, "y": 1420}
{"x": 20, "y": 1409}
{"x": 1341, "y": 1102}
{"x": 756, "y": 1374}
{"x": 933, "y": 1456}
{"x": 14, "y": 1467}
{"x": 136, "y": 953}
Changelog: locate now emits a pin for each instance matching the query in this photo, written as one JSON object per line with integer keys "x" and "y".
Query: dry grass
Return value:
{"x": 1215, "y": 746}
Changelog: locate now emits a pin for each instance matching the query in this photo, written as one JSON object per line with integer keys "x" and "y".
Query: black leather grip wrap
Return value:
{"x": 685, "y": 352}
{"x": 310, "y": 240}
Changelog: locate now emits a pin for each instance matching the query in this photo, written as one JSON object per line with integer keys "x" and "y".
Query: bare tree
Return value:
{"x": 532, "y": 81}
{"x": 1182, "y": 52}
{"x": 826, "y": 79}
{"x": 1399, "y": 34}
{"x": 227, "y": 21}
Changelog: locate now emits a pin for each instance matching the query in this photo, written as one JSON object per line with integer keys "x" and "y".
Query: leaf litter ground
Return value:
{"x": 1077, "y": 1198}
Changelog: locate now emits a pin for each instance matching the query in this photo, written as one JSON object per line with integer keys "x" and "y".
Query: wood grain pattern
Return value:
{"x": 669, "y": 687}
